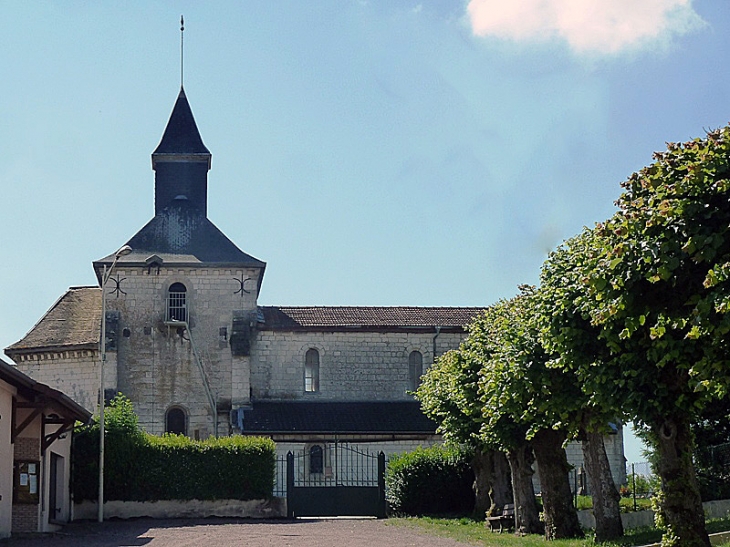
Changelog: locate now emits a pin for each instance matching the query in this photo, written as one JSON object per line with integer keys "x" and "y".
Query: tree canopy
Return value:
{"x": 642, "y": 302}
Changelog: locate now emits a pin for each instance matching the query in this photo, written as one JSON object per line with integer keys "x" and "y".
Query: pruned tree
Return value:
{"x": 656, "y": 281}
{"x": 448, "y": 395}
{"x": 561, "y": 286}
{"x": 515, "y": 383}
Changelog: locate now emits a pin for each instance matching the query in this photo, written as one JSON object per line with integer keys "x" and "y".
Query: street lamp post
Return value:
{"x": 125, "y": 250}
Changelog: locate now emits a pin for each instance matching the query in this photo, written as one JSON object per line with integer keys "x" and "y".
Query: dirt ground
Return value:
{"x": 227, "y": 532}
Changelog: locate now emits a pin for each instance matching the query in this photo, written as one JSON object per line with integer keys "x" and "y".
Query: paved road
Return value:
{"x": 226, "y": 532}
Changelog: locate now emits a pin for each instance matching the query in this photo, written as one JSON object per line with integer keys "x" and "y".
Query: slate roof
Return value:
{"x": 401, "y": 417}
{"x": 179, "y": 235}
{"x": 73, "y": 322}
{"x": 317, "y": 317}
{"x": 181, "y": 134}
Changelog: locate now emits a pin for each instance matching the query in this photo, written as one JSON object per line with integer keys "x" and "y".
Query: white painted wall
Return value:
{"x": 6, "y": 458}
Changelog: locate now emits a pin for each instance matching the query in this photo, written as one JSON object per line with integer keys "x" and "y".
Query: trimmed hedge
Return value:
{"x": 430, "y": 481}
{"x": 142, "y": 467}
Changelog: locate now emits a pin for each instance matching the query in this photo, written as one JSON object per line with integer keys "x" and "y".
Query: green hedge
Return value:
{"x": 142, "y": 467}
{"x": 430, "y": 481}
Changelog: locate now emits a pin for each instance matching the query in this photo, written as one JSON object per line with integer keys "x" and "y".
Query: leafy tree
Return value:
{"x": 515, "y": 383}
{"x": 561, "y": 285}
{"x": 657, "y": 290}
{"x": 448, "y": 395}
{"x": 124, "y": 438}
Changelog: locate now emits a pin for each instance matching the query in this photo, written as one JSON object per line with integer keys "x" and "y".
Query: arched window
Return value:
{"x": 177, "y": 309}
{"x": 415, "y": 370}
{"x": 175, "y": 421}
{"x": 311, "y": 370}
{"x": 316, "y": 459}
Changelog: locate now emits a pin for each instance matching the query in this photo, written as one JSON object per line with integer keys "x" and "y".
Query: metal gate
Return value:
{"x": 330, "y": 480}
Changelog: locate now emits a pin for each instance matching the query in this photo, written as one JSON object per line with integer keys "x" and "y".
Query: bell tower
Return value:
{"x": 181, "y": 162}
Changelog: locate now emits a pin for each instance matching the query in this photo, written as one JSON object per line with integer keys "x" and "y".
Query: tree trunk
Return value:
{"x": 527, "y": 517}
{"x": 681, "y": 505}
{"x": 561, "y": 519}
{"x": 491, "y": 482}
{"x": 501, "y": 485}
{"x": 603, "y": 490}
{"x": 482, "y": 464}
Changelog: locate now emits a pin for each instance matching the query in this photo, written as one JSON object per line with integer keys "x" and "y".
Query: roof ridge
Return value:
{"x": 378, "y": 307}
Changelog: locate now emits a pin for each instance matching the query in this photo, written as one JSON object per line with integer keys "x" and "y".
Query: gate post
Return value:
{"x": 289, "y": 484}
{"x": 381, "y": 486}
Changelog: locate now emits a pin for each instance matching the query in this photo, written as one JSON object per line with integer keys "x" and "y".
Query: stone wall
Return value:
{"x": 614, "y": 450}
{"x": 645, "y": 519}
{"x": 167, "y": 509}
{"x": 157, "y": 365}
{"x": 75, "y": 373}
{"x": 354, "y": 366}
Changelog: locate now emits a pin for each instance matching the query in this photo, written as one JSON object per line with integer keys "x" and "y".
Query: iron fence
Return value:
{"x": 712, "y": 464}
{"x": 280, "y": 477}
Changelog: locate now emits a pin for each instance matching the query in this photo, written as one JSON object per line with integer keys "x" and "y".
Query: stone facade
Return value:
{"x": 357, "y": 366}
{"x": 74, "y": 372}
{"x": 188, "y": 343}
{"x": 161, "y": 364}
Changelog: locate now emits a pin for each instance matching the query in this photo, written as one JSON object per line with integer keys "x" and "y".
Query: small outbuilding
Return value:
{"x": 36, "y": 425}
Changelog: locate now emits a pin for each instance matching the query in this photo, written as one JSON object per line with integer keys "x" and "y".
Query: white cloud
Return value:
{"x": 588, "y": 26}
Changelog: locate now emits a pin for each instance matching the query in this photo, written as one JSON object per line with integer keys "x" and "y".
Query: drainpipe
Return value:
{"x": 438, "y": 331}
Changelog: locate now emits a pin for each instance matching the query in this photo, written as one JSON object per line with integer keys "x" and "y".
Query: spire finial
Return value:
{"x": 182, "y": 30}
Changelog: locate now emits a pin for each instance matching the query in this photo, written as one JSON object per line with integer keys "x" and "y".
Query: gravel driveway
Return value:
{"x": 227, "y": 532}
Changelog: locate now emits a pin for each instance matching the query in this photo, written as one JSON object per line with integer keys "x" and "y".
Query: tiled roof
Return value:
{"x": 337, "y": 417}
{"x": 74, "y": 321}
{"x": 281, "y": 317}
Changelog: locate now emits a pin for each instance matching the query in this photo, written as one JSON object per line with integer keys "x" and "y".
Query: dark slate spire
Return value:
{"x": 180, "y": 233}
{"x": 181, "y": 134}
{"x": 181, "y": 161}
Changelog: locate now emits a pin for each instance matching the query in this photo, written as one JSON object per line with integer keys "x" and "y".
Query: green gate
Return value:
{"x": 335, "y": 480}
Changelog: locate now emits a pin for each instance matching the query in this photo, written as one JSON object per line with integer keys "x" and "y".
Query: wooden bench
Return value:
{"x": 505, "y": 521}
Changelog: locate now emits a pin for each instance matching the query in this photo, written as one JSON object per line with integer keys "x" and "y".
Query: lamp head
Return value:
{"x": 123, "y": 251}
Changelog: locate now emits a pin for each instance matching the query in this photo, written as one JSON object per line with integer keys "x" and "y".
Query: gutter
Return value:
{"x": 438, "y": 331}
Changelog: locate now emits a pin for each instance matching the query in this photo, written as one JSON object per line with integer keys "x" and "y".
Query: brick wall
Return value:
{"x": 27, "y": 448}
{"x": 25, "y": 516}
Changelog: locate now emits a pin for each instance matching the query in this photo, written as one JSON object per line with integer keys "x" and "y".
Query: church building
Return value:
{"x": 188, "y": 343}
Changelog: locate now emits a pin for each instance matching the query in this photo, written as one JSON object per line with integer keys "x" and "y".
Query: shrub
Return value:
{"x": 142, "y": 467}
{"x": 430, "y": 481}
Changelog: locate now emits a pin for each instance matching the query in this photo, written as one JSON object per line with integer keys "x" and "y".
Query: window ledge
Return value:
{"x": 170, "y": 323}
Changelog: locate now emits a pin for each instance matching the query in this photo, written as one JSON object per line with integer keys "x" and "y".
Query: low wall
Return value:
{"x": 713, "y": 510}
{"x": 166, "y": 509}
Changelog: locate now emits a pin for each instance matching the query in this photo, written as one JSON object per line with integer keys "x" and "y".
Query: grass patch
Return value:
{"x": 626, "y": 504}
{"x": 470, "y": 531}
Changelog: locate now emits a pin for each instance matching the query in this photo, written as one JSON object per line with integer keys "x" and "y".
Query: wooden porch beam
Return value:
{"x": 48, "y": 440}
{"x": 18, "y": 430}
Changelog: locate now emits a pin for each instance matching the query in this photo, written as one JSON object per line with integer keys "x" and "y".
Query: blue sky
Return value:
{"x": 372, "y": 152}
